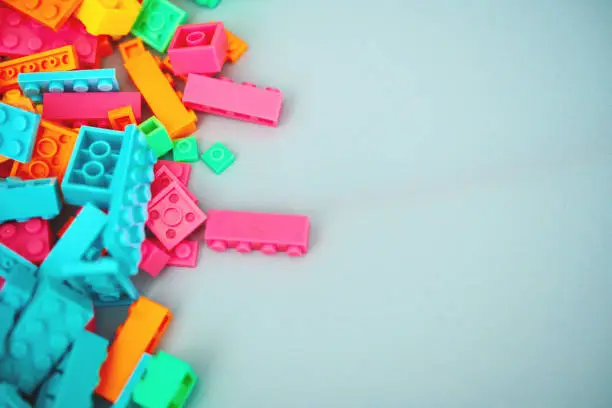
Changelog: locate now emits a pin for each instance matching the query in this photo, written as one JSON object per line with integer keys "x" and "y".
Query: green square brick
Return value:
{"x": 185, "y": 149}
{"x": 218, "y": 158}
{"x": 157, "y": 136}
{"x": 157, "y": 22}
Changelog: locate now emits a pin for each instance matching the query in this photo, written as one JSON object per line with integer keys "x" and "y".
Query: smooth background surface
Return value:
{"x": 456, "y": 161}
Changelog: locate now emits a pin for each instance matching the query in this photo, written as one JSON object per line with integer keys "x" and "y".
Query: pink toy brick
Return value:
{"x": 163, "y": 177}
{"x": 221, "y": 96}
{"x": 154, "y": 259}
{"x": 173, "y": 216}
{"x": 185, "y": 254}
{"x": 21, "y": 35}
{"x": 91, "y": 108}
{"x": 248, "y": 231}
{"x": 31, "y": 239}
{"x": 198, "y": 48}
{"x": 182, "y": 171}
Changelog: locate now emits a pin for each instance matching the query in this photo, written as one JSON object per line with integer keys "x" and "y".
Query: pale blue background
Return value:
{"x": 455, "y": 158}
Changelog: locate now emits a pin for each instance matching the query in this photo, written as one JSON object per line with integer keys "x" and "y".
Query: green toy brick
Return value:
{"x": 167, "y": 383}
{"x": 185, "y": 149}
{"x": 157, "y": 136}
{"x": 208, "y": 3}
{"x": 218, "y": 157}
{"x": 157, "y": 22}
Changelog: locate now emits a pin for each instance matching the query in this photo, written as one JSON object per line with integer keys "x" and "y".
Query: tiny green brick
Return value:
{"x": 157, "y": 22}
{"x": 218, "y": 157}
{"x": 156, "y": 135}
{"x": 185, "y": 149}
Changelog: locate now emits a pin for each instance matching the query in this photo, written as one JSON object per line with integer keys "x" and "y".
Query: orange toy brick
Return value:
{"x": 51, "y": 154}
{"x": 236, "y": 46}
{"x": 145, "y": 324}
{"x": 59, "y": 59}
{"x": 131, "y": 48}
{"x": 52, "y": 13}
{"x": 16, "y": 98}
{"x": 121, "y": 117}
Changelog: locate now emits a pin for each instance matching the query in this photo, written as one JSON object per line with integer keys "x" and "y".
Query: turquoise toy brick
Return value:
{"x": 218, "y": 158}
{"x": 128, "y": 210}
{"x": 18, "y": 130}
{"x": 92, "y": 167}
{"x": 34, "y": 84}
{"x": 208, "y": 3}
{"x": 157, "y": 136}
{"x": 80, "y": 241}
{"x": 24, "y": 199}
{"x": 157, "y": 22}
{"x": 17, "y": 291}
{"x": 13, "y": 263}
{"x": 73, "y": 382}
{"x": 125, "y": 398}
{"x": 45, "y": 330}
{"x": 7, "y": 321}
{"x": 185, "y": 149}
{"x": 10, "y": 398}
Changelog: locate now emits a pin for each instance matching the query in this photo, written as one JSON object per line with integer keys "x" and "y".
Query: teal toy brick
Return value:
{"x": 125, "y": 398}
{"x": 157, "y": 136}
{"x": 13, "y": 263}
{"x": 34, "y": 84}
{"x": 17, "y": 292}
{"x": 185, "y": 149}
{"x": 218, "y": 158}
{"x": 7, "y": 321}
{"x": 128, "y": 210}
{"x": 208, "y": 3}
{"x": 24, "y": 199}
{"x": 73, "y": 381}
{"x": 10, "y": 398}
{"x": 18, "y": 130}
{"x": 45, "y": 330}
{"x": 157, "y": 22}
{"x": 91, "y": 167}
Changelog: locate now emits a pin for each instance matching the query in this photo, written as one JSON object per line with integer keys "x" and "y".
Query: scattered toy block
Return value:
{"x": 52, "y": 13}
{"x": 33, "y": 84}
{"x": 218, "y": 158}
{"x": 185, "y": 254}
{"x": 157, "y": 136}
{"x": 25, "y": 199}
{"x": 31, "y": 239}
{"x": 120, "y": 118}
{"x": 103, "y": 17}
{"x": 18, "y": 130}
{"x": 157, "y": 22}
{"x": 182, "y": 171}
{"x": 153, "y": 258}
{"x": 185, "y": 149}
{"x": 198, "y": 48}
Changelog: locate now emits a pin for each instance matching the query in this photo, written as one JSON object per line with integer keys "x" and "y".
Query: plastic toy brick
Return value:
{"x": 167, "y": 382}
{"x": 131, "y": 188}
{"x": 125, "y": 399}
{"x": 25, "y": 199}
{"x": 92, "y": 167}
{"x": 221, "y": 96}
{"x": 185, "y": 149}
{"x": 236, "y": 46}
{"x": 83, "y": 108}
{"x": 92, "y": 80}
{"x": 12, "y": 263}
{"x": 105, "y": 46}
{"x": 7, "y": 321}
{"x": 248, "y": 231}
{"x": 153, "y": 258}
{"x": 173, "y": 216}
{"x": 52, "y": 13}
{"x": 208, "y": 3}
{"x": 131, "y": 48}
{"x": 160, "y": 96}
{"x": 218, "y": 158}
{"x": 15, "y": 98}
{"x": 52, "y": 151}
{"x": 31, "y": 239}
{"x": 167, "y": 65}
{"x": 16, "y": 293}
{"x": 113, "y": 18}
{"x": 157, "y": 136}
{"x": 47, "y": 326}
{"x": 58, "y": 59}
{"x": 185, "y": 254}
{"x": 73, "y": 381}
{"x": 146, "y": 323}
{"x": 164, "y": 177}
{"x": 121, "y": 117}
{"x": 22, "y": 36}
{"x": 5, "y": 168}
{"x": 182, "y": 171}
{"x": 17, "y": 132}
{"x": 91, "y": 325}
{"x": 198, "y": 48}
{"x": 157, "y": 22}
{"x": 10, "y": 398}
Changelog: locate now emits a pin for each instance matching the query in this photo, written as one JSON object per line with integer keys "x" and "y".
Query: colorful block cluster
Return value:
{"x": 74, "y": 145}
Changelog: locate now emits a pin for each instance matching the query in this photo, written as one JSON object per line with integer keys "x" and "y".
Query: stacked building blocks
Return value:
{"x": 94, "y": 80}
{"x": 198, "y": 48}
{"x": 17, "y": 132}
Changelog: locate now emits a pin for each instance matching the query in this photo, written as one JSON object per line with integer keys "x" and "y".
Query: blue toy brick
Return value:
{"x": 10, "y": 398}
{"x": 72, "y": 383}
{"x": 13, "y": 263}
{"x": 18, "y": 130}
{"x": 17, "y": 291}
{"x": 45, "y": 330}
{"x": 34, "y": 84}
{"x": 125, "y": 398}
{"x": 157, "y": 22}
{"x": 92, "y": 166}
{"x": 7, "y": 321}
{"x": 80, "y": 241}
{"x": 24, "y": 199}
{"x": 128, "y": 209}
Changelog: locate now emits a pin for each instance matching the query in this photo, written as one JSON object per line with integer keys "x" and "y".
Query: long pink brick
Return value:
{"x": 266, "y": 232}
{"x": 245, "y": 101}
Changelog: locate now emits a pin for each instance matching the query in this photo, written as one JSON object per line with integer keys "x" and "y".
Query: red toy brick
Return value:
{"x": 30, "y": 239}
{"x": 154, "y": 258}
{"x": 185, "y": 254}
{"x": 182, "y": 171}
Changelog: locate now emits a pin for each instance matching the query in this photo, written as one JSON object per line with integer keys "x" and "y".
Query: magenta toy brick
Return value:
{"x": 198, "y": 48}
{"x": 182, "y": 171}
{"x": 248, "y": 231}
{"x": 89, "y": 108}
{"x": 173, "y": 216}
{"x": 31, "y": 239}
{"x": 154, "y": 259}
{"x": 245, "y": 101}
{"x": 163, "y": 177}
{"x": 185, "y": 254}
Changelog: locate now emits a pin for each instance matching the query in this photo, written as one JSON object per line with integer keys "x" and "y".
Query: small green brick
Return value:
{"x": 157, "y": 22}
{"x": 185, "y": 149}
{"x": 157, "y": 136}
{"x": 218, "y": 158}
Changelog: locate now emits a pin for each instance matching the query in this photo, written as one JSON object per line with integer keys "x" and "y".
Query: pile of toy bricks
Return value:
{"x": 92, "y": 192}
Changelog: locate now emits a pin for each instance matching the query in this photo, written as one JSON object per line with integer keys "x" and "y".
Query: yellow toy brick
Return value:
{"x": 104, "y": 17}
